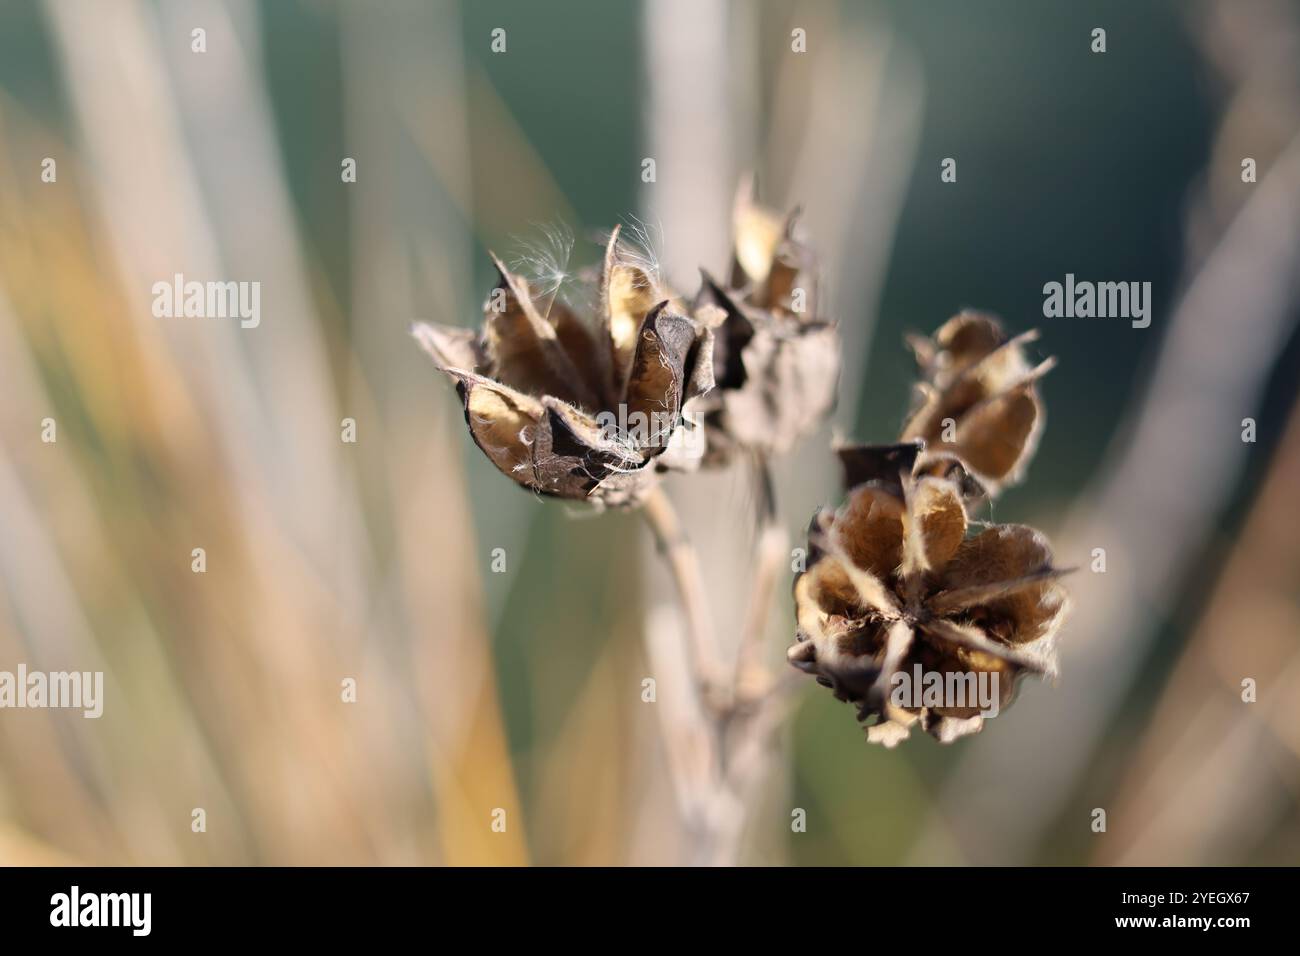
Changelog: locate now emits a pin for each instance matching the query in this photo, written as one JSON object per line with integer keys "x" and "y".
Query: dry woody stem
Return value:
{"x": 769, "y": 557}
{"x": 684, "y": 565}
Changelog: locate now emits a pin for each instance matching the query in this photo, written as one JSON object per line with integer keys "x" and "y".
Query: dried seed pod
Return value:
{"x": 576, "y": 409}
{"x": 776, "y": 361}
{"x": 894, "y": 586}
{"x": 977, "y": 400}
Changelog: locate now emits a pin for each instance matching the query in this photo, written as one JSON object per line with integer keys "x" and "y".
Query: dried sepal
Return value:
{"x": 451, "y": 349}
{"x": 869, "y": 528}
{"x": 629, "y": 291}
{"x": 890, "y": 464}
{"x": 503, "y": 423}
{"x": 894, "y": 464}
{"x": 934, "y": 523}
{"x": 758, "y": 233}
{"x": 656, "y": 378}
{"x": 524, "y": 349}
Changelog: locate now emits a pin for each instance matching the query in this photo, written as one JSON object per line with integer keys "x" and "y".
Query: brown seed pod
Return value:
{"x": 576, "y": 409}
{"x": 776, "y": 360}
{"x": 977, "y": 400}
{"x": 893, "y": 583}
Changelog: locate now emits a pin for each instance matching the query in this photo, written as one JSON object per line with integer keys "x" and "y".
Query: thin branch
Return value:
{"x": 769, "y": 554}
{"x": 684, "y": 565}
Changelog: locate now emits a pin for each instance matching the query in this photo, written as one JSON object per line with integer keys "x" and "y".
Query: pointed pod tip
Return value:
{"x": 500, "y": 266}
{"x": 611, "y": 244}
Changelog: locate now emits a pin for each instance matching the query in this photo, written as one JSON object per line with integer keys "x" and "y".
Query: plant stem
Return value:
{"x": 684, "y": 565}
{"x": 768, "y": 556}
{"x": 741, "y": 707}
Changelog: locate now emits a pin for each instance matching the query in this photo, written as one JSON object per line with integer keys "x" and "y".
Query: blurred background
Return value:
{"x": 522, "y": 691}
